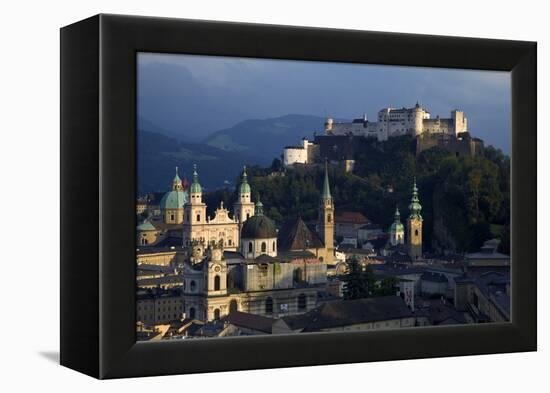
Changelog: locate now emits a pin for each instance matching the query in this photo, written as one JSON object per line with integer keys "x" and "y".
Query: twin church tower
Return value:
{"x": 414, "y": 227}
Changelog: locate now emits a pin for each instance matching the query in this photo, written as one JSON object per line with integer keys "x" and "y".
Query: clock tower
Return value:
{"x": 414, "y": 226}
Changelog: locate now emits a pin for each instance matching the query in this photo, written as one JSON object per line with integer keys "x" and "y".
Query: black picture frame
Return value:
{"x": 98, "y": 189}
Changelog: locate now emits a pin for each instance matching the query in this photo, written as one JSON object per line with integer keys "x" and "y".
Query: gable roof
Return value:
{"x": 351, "y": 312}
{"x": 251, "y": 321}
{"x": 295, "y": 235}
{"x": 347, "y": 217}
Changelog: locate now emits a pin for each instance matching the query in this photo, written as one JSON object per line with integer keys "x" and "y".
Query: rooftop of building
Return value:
{"x": 350, "y": 217}
{"x": 250, "y": 321}
{"x": 433, "y": 277}
{"x": 157, "y": 281}
{"x": 341, "y": 313}
{"x": 295, "y": 235}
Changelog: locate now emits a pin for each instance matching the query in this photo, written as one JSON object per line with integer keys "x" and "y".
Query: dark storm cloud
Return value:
{"x": 195, "y": 95}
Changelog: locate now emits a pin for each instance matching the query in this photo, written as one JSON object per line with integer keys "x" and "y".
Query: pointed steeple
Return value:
{"x": 244, "y": 187}
{"x": 195, "y": 186}
{"x": 326, "y": 187}
{"x": 176, "y": 183}
{"x": 415, "y": 207}
{"x": 397, "y": 215}
{"x": 259, "y": 210}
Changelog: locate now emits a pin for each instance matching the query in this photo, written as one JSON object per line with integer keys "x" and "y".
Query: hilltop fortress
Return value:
{"x": 336, "y": 142}
{"x": 395, "y": 122}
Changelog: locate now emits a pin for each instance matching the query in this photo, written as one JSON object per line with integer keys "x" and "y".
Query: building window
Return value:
{"x": 329, "y": 218}
{"x": 269, "y": 305}
{"x": 172, "y": 217}
{"x": 273, "y": 247}
{"x": 250, "y": 247}
{"x": 198, "y": 218}
{"x": 233, "y": 307}
{"x": 216, "y": 314}
{"x": 302, "y": 302}
{"x": 247, "y": 216}
{"x": 229, "y": 242}
{"x": 193, "y": 285}
{"x": 217, "y": 283}
{"x": 192, "y": 312}
{"x": 264, "y": 247}
{"x": 416, "y": 232}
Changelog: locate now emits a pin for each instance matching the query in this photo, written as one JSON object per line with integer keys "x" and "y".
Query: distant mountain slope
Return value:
{"x": 159, "y": 154}
{"x": 266, "y": 137}
{"x": 181, "y": 135}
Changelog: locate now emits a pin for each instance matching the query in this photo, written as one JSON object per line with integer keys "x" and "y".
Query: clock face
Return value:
{"x": 217, "y": 269}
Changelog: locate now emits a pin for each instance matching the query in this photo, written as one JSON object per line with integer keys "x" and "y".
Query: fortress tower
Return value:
{"x": 325, "y": 226}
{"x": 414, "y": 226}
{"x": 418, "y": 120}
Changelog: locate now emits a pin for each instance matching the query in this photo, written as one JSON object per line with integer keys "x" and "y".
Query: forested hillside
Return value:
{"x": 465, "y": 200}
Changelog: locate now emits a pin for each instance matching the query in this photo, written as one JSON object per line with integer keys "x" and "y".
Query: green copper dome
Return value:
{"x": 258, "y": 227}
{"x": 244, "y": 187}
{"x": 195, "y": 186}
{"x": 174, "y": 200}
{"x": 146, "y": 226}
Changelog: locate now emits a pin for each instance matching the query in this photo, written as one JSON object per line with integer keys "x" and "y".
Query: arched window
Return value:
{"x": 273, "y": 247}
{"x": 233, "y": 307}
{"x": 193, "y": 285}
{"x": 247, "y": 216}
{"x": 264, "y": 247}
{"x": 198, "y": 218}
{"x": 217, "y": 283}
{"x": 192, "y": 312}
{"x": 416, "y": 232}
{"x": 269, "y": 305}
{"x": 302, "y": 302}
{"x": 216, "y": 314}
{"x": 329, "y": 218}
{"x": 249, "y": 246}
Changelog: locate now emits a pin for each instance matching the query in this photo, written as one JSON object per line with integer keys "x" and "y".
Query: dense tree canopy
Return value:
{"x": 465, "y": 200}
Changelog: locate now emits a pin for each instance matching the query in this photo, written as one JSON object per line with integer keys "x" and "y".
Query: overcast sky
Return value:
{"x": 202, "y": 94}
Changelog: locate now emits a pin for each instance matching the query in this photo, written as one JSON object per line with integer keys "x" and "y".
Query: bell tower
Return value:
{"x": 244, "y": 207}
{"x": 216, "y": 273}
{"x": 325, "y": 225}
{"x": 414, "y": 226}
{"x": 194, "y": 211}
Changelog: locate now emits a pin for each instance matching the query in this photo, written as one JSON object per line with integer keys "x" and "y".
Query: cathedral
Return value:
{"x": 265, "y": 272}
{"x": 240, "y": 261}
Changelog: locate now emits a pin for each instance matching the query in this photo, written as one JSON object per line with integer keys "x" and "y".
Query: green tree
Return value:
{"x": 386, "y": 287}
{"x": 358, "y": 282}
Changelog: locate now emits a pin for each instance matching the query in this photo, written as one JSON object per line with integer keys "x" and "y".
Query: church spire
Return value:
{"x": 415, "y": 207}
{"x": 244, "y": 187}
{"x": 397, "y": 215}
{"x": 326, "y": 187}
{"x": 176, "y": 183}
{"x": 195, "y": 186}
{"x": 259, "y": 208}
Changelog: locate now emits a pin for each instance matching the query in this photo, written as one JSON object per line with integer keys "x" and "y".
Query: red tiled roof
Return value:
{"x": 351, "y": 218}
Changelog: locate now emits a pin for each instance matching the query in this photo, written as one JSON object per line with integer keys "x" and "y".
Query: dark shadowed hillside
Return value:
{"x": 159, "y": 154}
{"x": 266, "y": 137}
